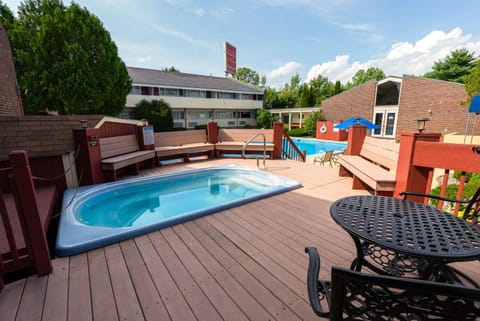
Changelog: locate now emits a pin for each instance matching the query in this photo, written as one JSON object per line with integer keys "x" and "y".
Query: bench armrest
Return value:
{"x": 440, "y": 198}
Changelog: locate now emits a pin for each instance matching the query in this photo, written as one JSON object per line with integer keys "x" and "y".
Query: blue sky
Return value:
{"x": 281, "y": 38}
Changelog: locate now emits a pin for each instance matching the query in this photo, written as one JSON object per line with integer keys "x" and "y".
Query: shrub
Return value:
{"x": 247, "y": 126}
{"x": 297, "y": 132}
{"x": 201, "y": 127}
{"x": 157, "y": 112}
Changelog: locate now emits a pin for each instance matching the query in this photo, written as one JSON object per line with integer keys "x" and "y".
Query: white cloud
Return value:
{"x": 288, "y": 69}
{"x": 403, "y": 58}
{"x": 199, "y": 12}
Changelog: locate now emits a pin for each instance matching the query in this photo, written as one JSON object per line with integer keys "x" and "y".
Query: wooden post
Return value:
{"x": 410, "y": 177}
{"x": 356, "y": 136}
{"x": 212, "y": 132}
{"x": 89, "y": 158}
{"x": 29, "y": 209}
{"x": 277, "y": 140}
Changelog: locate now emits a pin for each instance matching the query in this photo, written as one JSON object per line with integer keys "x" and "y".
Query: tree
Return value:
{"x": 170, "y": 69}
{"x": 66, "y": 61}
{"x": 310, "y": 123}
{"x": 157, "y": 112}
{"x": 264, "y": 118}
{"x": 455, "y": 67}
{"x": 363, "y": 76}
{"x": 6, "y": 17}
{"x": 250, "y": 76}
{"x": 472, "y": 81}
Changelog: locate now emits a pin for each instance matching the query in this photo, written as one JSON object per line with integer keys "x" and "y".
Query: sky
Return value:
{"x": 282, "y": 38}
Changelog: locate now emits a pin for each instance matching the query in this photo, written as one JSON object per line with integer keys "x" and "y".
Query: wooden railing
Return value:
{"x": 423, "y": 160}
{"x": 290, "y": 150}
{"x": 22, "y": 200}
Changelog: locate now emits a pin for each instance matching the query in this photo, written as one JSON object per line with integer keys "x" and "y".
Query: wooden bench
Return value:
{"x": 182, "y": 144}
{"x": 375, "y": 168}
{"x": 231, "y": 141}
{"x": 122, "y": 152}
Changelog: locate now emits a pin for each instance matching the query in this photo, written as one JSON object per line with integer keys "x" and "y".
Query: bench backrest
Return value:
{"x": 118, "y": 145}
{"x": 381, "y": 151}
{"x": 180, "y": 137}
{"x": 242, "y": 135}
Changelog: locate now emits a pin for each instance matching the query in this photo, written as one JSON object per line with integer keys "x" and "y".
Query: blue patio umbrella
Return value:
{"x": 356, "y": 120}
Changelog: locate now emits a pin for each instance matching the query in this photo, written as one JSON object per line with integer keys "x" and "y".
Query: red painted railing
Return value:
{"x": 23, "y": 197}
{"x": 422, "y": 153}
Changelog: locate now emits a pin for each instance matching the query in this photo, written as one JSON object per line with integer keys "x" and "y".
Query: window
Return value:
{"x": 224, "y": 115}
{"x": 225, "y": 95}
{"x": 388, "y": 94}
{"x": 198, "y": 115}
{"x": 171, "y": 92}
{"x": 178, "y": 115}
{"x": 195, "y": 93}
{"x": 247, "y": 96}
{"x": 245, "y": 114}
{"x": 135, "y": 90}
{"x": 146, "y": 91}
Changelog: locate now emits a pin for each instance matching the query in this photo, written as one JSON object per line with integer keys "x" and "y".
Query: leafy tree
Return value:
{"x": 273, "y": 99}
{"x": 6, "y": 17}
{"x": 472, "y": 81}
{"x": 363, "y": 76}
{"x": 321, "y": 89}
{"x": 250, "y": 76}
{"x": 305, "y": 96}
{"x": 264, "y": 118}
{"x": 66, "y": 61}
{"x": 171, "y": 69}
{"x": 455, "y": 67}
{"x": 157, "y": 112}
{"x": 310, "y": 123}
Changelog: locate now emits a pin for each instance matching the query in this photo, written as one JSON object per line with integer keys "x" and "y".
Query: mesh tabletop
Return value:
{"x": 408, "y": 227}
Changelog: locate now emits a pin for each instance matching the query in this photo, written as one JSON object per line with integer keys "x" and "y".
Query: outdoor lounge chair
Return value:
{"x": 358, "y": 296}
{"x": 327, "y": 157}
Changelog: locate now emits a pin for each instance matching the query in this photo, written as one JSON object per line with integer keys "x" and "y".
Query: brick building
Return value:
{"x": 10, "y": 100}
{"x": 394, "y": 103}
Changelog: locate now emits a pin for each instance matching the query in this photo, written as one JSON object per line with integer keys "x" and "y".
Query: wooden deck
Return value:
{"x": 245, "y": 263}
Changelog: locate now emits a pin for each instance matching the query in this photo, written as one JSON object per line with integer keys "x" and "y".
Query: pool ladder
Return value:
{"x": 264, "y": 149}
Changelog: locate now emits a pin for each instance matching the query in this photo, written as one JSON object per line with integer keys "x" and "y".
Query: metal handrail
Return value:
{"x": 264, "y": 148}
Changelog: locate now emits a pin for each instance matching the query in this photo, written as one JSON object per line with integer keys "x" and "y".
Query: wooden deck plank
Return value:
{"x": 56, "y": 296}
{"x": 147, "y": 293}
{"x": 31, "y": 306}
{"x": 171, "y": 295}
{"x": 103, "y": 301}
{"x": 199, "y": 303}
{"x": 126, "y": 299}
{"x": 219, "y": 298}
{"x": 262, "y": 286}
{"x": 10, "y": 298}
{"x": 79, "y": 299}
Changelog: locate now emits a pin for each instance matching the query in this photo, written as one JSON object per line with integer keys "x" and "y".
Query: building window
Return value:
{"x": 171, "y": 92}
{"x": 135, "y": 90}
{"x": 388, "y": 94}
{"x": 146, "y": 91}
{"x": 247, "y": 96}
{"x": 224, "y": 115}
{"x": 198, "y": 115}
{"x": 178, "y": 115}
{"x": 245, "y": 114}
{"x": 225, "y": 95}
{"x": 195, "y": 93}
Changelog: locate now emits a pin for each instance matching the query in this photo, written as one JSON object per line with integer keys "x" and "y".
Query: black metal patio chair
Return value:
{"x": 471, "y": 212}
{"x": 358, "y": 296}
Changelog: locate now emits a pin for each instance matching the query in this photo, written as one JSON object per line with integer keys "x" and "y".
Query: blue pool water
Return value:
{"x": 314, "y": 146}
{"x": 102, "y": 214}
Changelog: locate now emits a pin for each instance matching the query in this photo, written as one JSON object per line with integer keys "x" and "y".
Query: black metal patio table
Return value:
{"x": 397, "y": 237}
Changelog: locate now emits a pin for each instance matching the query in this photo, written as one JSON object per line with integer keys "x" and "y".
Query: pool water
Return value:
{"x": 99, "y": 215}
{"x": 315, "y": 147}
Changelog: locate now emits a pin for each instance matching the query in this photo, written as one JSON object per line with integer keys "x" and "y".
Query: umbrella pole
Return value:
{"x": 466, "y": 129}
{"x": 473, "y": 129}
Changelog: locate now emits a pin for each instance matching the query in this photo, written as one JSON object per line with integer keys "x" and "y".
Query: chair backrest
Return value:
{"x": 471, "y": 212}
{"x": 359, "y": 296}
{"x": 328, "y": 156}
{"x": 381, "y": 151}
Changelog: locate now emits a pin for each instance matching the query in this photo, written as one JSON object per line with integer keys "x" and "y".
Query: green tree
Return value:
{"x": 157, "y": 112}
{"x": 264, "y": 118}
{"x": 250, "y": 76}
{"x": 6, "y": 17}
{"x": 310, "y": 123}
{"x": 363, "y": 76}
{"x": 321, "y": 89}
{"x": 305, "y": 96}
{"x": 170, "y": 69}
{"x": 66, "y": 61}
{"x": 472, "y": 81}
{"x": 455, "y": 67}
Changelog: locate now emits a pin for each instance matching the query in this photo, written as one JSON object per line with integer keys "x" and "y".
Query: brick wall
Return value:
{"x": 356, "y": 101}
{"x": 40, "y": 136}
{"x": 10, "y": 101}
{"x": 442, "y": 98}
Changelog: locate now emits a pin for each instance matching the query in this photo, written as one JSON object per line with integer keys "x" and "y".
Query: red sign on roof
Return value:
{"x": 230, "y": 58}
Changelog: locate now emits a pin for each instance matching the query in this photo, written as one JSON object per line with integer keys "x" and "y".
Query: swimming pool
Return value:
{"x": 102, "y": 214}
{"x": 314, "y": 147}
